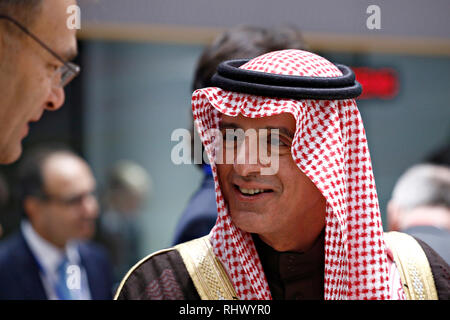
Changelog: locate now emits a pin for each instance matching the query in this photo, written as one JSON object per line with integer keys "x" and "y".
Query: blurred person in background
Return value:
{"x": 236, "y": 43}
{"x": 420, "y": 206}
{"x": 128, "y": 187}
{"x": 35, "y": 49}
{"x": 51, "y": 256}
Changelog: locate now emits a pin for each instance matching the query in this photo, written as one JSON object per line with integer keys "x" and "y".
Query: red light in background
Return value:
{"x": 379, "y": 83}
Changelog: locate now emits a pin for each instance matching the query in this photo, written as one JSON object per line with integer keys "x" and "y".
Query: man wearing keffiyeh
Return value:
{"x": 308, "y": 227}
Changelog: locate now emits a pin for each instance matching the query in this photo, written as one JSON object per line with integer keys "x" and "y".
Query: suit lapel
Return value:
{"x": 27, "y": 271}
{"x": 92, "y": 271}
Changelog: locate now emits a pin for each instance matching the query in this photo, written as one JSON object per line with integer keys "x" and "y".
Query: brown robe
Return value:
{"x": 291, "y": 275}
{"x": 294, "y": 275}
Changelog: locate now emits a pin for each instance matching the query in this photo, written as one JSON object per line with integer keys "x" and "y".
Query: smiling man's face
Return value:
{"x": 289, "y": 213}
{"x": 29, "y": 83}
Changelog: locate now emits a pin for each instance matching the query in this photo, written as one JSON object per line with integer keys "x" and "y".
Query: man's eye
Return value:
{"x": 231, "y": 137}
{"x": 53, "y": 67}
{"x": 275, "y": 140}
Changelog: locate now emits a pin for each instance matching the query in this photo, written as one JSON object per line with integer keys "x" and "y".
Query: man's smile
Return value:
{"x": 247, "y": 193}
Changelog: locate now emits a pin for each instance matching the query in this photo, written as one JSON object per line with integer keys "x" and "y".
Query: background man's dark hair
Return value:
{"x": 30, "y": 179}
{"x": 242, "y": 42}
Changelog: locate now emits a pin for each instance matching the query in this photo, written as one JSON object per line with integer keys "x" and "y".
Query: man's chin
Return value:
{"x": 246, "y": 220}
{"x": 86, "y": 232}
{"x": 11, "y": 154}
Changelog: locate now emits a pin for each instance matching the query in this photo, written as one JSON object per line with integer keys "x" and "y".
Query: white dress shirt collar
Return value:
{"x": 48, "y": 255}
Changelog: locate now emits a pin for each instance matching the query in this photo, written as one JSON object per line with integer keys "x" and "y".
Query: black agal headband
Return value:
{"x": 229, "y": 77}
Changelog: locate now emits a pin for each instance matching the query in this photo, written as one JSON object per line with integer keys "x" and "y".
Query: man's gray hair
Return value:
{"x": 128, "y": 176}
{"x": 423, "y": 185}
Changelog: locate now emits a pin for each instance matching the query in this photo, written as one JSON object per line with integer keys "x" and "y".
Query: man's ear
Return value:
{"x": 393, "y": 216}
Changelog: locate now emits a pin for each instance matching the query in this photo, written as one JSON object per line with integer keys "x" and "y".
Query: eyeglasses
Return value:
{"x": 69, "y": 201}
{"x": 68, "y": 71}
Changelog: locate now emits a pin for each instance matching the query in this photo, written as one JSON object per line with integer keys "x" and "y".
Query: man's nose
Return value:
{"x": 246, "y": 160}
{"x": 55, "y": 99}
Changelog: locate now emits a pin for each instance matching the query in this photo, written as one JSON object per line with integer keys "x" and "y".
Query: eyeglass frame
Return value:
{"x": 68, "y": 202}
{"x": 71, "y": 69}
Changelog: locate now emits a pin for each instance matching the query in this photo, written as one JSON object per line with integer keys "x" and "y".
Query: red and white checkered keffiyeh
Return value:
{"x": 330, "y": 147}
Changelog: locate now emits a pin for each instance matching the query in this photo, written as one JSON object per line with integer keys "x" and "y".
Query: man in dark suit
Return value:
{"x": 51, "y": 257}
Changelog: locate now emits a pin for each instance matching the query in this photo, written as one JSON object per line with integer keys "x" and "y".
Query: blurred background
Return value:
{"x": 138, "y": 58}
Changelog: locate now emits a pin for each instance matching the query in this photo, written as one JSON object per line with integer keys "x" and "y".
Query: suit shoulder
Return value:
{"x": 9, "y": 246}
{"x": 159, "y": 276}
{"x": 93, "y": 249}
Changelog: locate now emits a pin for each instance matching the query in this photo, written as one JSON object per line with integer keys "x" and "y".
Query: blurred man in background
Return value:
{"x": 35, "y": 49}
{"x": 127, "y": 188}
{"x": 420, "y": 206}
{"x": 236, "y": 43}
{"x": 51, "y": 250}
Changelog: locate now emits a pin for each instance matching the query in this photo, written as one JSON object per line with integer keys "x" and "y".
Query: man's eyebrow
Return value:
{"x": 283, "y": 130}
{"x": 227, "y": 125}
